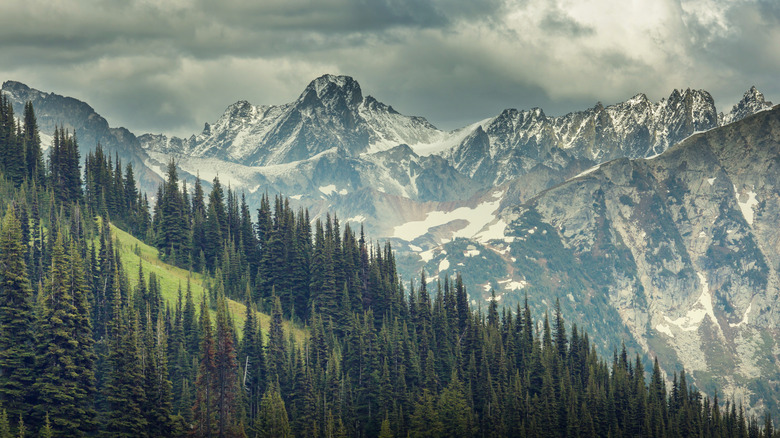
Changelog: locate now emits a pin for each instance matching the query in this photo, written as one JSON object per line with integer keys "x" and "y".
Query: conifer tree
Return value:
{"x": 173, "y": 233}
{"x": 124, "y": 388}
{"x": 204, "y": 409}
{"x": 32, "y": 146}
{"x": 12, "y": 156}
{"x": 17, "y": 356}
{"x": 226, "y": 392}
{"x": 273, "y": 421}
{"x": 65, "y": 368}
{"x": 276, "y": 351}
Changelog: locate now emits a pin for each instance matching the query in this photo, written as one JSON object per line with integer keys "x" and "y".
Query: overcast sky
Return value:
{"x": 171, "y": 65}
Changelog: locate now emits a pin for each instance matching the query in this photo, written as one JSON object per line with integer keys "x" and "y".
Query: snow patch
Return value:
{"x": 427, "y": 256}
{"x": 744, "y": 318}
{"x": 511, "y": 284}
{"x": 296, "y": 197}
{"x": 747, "y": 206}
{"x": 358, "y": 218}
{"x": 471, "y": 251}
{"x": 444, "y": 265}
{"x": 711, "y": 180}
{"x": 663, "y": 328}
{"x": 328, "y": 190}
{"x": 693, "y": 319}
{"x": 415, "y": 248}
{"x": 447, "y": 140}
{"x": 592, "y": 169}
{"x": 476, "y": 219}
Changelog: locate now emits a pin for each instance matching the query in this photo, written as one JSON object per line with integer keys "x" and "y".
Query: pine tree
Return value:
{"x": 204, "y": 409}
{"x": 157, "y": 386}
{"x": 32, "y": 146}
{"x": 17, "y": 356}
{"x": 124, "y": 388}
{"x": 173, "y": 233}
{"x": 12, "y": 156}
{"x": 226, "y": 392}
{"x": 455, "y": 413}
{"x": 273, "y": 421}
{"x": 425, "y": 420}
{"x": 65, "y": 368}
{"x": 252, "y": 359}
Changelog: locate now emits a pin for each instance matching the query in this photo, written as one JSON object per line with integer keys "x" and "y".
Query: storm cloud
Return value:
{"x": 169, "y": 66}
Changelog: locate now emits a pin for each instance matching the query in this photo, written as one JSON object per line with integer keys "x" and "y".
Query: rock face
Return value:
{"x": 676, "y": 255}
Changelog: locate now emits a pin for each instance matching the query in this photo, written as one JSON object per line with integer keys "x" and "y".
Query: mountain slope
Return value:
{"x": 53, "y": 110}
{"x": 134, "y": 252}
{"x": 679, "y": 252}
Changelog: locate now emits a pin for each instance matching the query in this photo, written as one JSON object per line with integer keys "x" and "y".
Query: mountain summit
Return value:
{"x": 331, "y": 112}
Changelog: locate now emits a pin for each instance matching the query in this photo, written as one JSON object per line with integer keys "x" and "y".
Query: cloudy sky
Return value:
{"x": 171, "y": 65}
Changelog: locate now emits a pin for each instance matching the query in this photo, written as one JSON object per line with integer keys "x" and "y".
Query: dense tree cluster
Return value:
{"x": 112, "y": 194}
{"x": 20, "y": 145}
{"x": 85, "y": 351}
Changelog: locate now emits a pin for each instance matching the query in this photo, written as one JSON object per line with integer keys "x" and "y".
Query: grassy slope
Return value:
{"x": 132, "y": 252}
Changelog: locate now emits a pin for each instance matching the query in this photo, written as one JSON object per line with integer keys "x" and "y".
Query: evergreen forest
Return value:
{"x": 88, "y": 348}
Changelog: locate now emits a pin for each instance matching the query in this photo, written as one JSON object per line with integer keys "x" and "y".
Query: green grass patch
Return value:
{"x": 134, "y": 252}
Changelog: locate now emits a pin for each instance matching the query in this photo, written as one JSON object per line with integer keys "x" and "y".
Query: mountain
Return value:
{"x": 514, "y": 142}
{"x": 752, "y": 102}
{"x": 332, "y": 144}
{"x": 90, "y": 128}
{"x": 331, "y": 112}
{"x": 666, "y": 248}
{"x": 674, "y": 255}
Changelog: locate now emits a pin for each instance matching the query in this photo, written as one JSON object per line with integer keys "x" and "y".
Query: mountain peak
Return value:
{"x": 753, "y": 95}
{"x": 11, "y": 85}
{"x": 329, "y": 86}
{"x": 752, "y": 102}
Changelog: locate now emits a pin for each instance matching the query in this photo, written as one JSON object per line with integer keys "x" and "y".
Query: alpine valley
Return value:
{"x": 654, "y": 224}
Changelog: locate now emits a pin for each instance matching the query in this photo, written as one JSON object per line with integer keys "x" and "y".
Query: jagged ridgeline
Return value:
{"x": 339, "y": 347}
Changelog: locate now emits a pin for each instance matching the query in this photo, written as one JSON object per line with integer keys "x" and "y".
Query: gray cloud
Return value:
{"x": 171, "y": 66}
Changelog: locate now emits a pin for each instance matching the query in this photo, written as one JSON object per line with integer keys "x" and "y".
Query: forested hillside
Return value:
{"x": 89, "y": 346}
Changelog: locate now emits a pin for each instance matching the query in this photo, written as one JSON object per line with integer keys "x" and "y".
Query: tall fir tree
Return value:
{"x": 17, "y": 349}
{"x": 65, "y": 366}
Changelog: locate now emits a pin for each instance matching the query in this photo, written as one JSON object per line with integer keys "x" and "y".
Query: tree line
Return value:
{"x": 85, "y": 351}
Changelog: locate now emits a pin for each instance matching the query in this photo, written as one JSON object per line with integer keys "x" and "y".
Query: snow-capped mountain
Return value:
{"x": 514, "y": 142}
{"x": 752, "y": 102}
{"x": 331, "y": 112}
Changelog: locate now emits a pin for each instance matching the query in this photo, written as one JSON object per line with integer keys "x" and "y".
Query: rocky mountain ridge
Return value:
{"x": 90, "y": 128}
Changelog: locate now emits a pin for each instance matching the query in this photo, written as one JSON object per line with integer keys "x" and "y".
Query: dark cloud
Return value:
{"x": 171, "y": 66}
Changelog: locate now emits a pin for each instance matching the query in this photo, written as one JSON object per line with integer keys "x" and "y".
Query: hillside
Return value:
{"x": 132, "y": 252}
